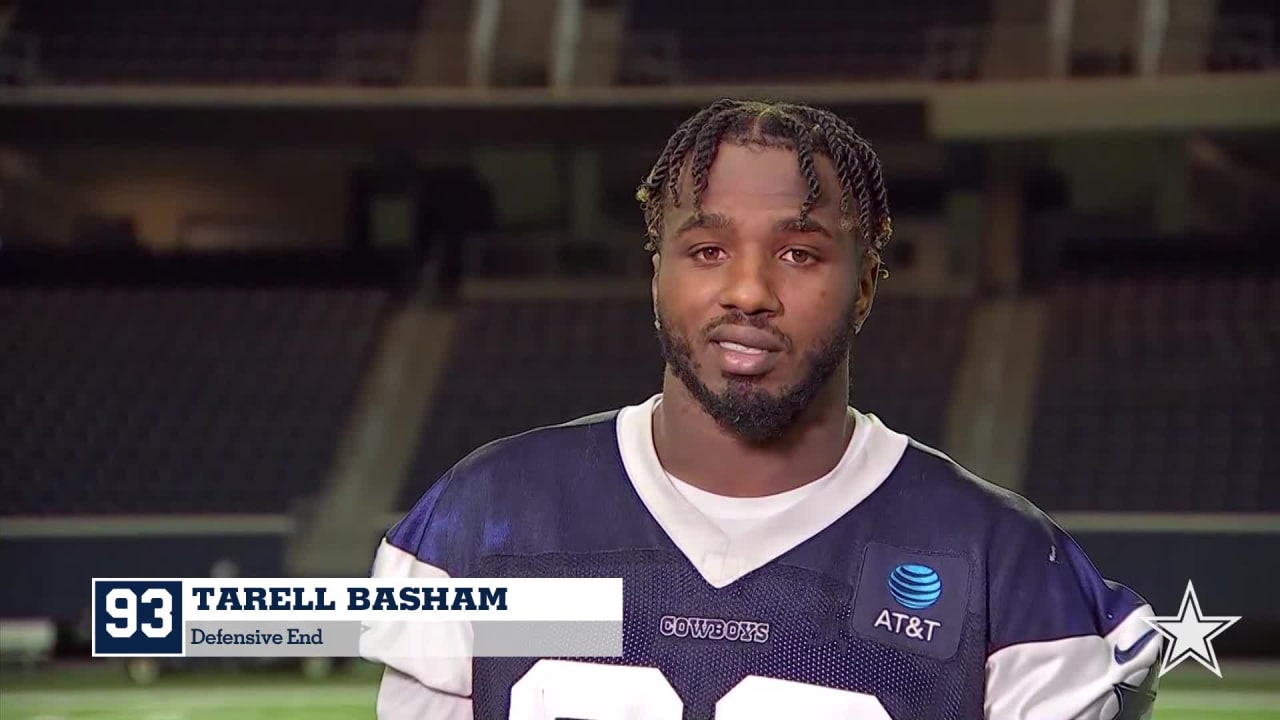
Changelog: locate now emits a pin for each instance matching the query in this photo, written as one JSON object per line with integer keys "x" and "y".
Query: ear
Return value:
{"x": 653, "y": 283}
{"x": 869, "y": 270}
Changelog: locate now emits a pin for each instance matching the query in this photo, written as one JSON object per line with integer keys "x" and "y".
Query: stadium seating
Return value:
{"x": 209, "y": 42}
{"x": 780, "y": 42}
{"x": 302, "y": 42}
{"x": 157, "y": 400}
{"x": 517, "y": 365}
{"x": 905, "y": 362}
{"x": 1246, "y": 37}
{"x": 1159, "y": 394}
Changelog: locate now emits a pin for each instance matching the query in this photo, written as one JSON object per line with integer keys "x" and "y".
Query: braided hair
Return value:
{"x": 805, "y": 130}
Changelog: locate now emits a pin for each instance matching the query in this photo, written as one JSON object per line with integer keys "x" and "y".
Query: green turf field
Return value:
{"x": 97, "y": 693}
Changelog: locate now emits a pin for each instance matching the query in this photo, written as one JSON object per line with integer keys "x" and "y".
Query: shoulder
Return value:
{"x": 536, "y": 448}
{"x": 1047, "y": 605}
{"x": 969, "y": 504}
{"x": 442, "y": 526}
{"x": 1028, "y": 558}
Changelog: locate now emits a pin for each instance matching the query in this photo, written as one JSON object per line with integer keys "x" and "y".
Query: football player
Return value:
{"x": 785, "y": 555}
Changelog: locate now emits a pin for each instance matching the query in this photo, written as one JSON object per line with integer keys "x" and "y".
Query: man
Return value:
{"x": 877, "y": 578}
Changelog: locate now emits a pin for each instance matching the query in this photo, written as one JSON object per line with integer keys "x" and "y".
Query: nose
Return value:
{"x": 748, "y": 287}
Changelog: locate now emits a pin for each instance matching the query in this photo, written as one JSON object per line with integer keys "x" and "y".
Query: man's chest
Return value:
{"x": 818, "y": 644}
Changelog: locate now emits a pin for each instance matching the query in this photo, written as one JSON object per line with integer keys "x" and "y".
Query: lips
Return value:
{"x": 746, "y": 351}
{"x": 748, "y": 337}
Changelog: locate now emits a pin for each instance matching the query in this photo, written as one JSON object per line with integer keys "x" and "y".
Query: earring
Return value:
{"x": 657, "y": 324}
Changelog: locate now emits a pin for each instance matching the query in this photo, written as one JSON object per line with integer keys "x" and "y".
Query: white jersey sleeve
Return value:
{"x": 427, "y": 673}
{"x": 1064, "y": 642}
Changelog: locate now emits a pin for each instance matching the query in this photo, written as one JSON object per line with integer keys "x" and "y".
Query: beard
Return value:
{"x": 744, "y": 408}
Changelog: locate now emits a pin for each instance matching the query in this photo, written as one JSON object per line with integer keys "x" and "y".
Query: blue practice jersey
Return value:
{"x": 900, "y": 587}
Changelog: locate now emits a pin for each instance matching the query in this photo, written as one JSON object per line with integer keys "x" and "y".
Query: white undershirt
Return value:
{"x": 726, "y": 538}
{"x": 736, "y": 516}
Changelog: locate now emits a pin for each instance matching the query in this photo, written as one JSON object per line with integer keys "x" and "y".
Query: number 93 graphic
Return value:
{"x": 137, "y": 618}
{"x": 123, "y": 605}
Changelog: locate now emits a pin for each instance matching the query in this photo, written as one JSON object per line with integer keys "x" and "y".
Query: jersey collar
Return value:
{"x": 872, "y": 454}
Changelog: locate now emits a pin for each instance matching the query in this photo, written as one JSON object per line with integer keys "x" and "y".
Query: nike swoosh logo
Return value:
{"x": 1124, "y": 655}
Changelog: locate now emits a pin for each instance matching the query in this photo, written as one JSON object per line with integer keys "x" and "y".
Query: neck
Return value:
{"x": 692, "y": 446}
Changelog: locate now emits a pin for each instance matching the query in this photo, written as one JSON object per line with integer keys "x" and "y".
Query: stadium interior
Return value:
{"x": 269, "y": 267}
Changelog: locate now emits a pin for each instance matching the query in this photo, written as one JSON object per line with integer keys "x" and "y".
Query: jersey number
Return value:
{"x": 555, "y": 689}
{"x": 122, "y": 605}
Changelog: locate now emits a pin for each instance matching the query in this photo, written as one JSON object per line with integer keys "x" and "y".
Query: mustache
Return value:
{"x": 739, "y": 318}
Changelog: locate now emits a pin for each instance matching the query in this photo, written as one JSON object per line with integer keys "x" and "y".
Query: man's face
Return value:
{"x": 756, "y": 309}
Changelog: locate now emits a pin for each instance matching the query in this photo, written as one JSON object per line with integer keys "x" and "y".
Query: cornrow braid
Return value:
{"x": 807, "y": 130}
{"x": 704, "y": 153}
{"x": 682, "y": 141}
{"x": 804, "y": 151}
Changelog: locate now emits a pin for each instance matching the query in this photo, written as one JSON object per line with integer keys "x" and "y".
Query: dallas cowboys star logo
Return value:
{"x": 1192, "y": 633}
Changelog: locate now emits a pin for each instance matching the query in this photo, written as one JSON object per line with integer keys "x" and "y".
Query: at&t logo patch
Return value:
{"x": 913, "y": 601}
{"x": 915, "y": 587}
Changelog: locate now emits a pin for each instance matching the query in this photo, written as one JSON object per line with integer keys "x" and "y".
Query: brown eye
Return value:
{"x": 800, "y": 257}
{"x": 709, "y": 253}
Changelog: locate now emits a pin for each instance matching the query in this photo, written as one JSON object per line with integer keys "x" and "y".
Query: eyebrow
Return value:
{"x": 798, "y": 224}
{"x": 704, "y": 221}
{"x": 717, "y": 221}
